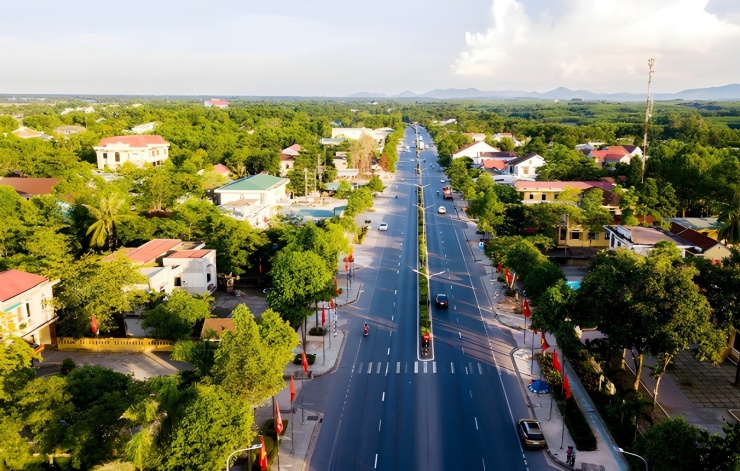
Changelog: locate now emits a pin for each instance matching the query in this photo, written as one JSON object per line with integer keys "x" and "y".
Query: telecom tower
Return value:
{"x": 648, "y": 114}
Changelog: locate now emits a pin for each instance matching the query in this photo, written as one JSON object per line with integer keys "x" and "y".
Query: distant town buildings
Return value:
{"x": 144, "y": 128}
{"x": 216, "y": 103}
{"x": 27, "y": 133}
{"x": 112, "y": 152}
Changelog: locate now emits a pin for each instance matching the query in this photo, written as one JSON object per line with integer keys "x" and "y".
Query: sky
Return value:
{"x": 327, "y": 48}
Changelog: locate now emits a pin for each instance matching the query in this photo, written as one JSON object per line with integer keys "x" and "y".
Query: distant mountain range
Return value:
{"x": 726, "y": 92}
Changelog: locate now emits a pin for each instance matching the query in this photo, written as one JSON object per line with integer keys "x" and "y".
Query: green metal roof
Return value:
{"x": 260, "y": 182}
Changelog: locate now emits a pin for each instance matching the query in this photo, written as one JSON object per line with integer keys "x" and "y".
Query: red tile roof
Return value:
{"x": 222, "y": 169}
{"x": 132, "y": 141}
{"x": 15, "y": 282}
{"x": 696, "y": 238}
{"x": 218, "y": 325}
{"x": 189, "y": 254}
{"x": 498, "y": 164}
{"x": 523, "y": 185}
{"x": 151, "y": 250}
{"x": 217, "y": 102}
{"x": 30, "y": 186}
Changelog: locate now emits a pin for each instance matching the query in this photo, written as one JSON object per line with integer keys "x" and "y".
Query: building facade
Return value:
{"x": 112, "y": 152}
{"x": 27, "y": 308}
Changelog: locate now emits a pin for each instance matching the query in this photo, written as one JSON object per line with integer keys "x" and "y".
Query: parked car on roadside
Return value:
{"x": 530, "y": 433}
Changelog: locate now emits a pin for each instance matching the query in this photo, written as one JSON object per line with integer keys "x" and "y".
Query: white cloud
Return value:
{"x": 602, "y": 45}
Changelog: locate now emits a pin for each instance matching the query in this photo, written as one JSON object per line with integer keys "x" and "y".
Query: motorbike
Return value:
{"x": 366, "y": 331}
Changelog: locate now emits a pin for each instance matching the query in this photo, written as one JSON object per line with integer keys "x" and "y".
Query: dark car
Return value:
{"x": 441, "y": 301}
{"x": 531, "y": 434}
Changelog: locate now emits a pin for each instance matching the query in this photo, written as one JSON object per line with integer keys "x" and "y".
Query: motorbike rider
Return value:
{"x": 366, "y": 329}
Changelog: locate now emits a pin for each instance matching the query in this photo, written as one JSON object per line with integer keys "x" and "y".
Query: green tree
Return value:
{"x": 213, "y": 425}
{"x": 375, "y": 185}
{"x": 729, "y": 230}
{"x": 595, "y": 215}
{"x": 555, "y": 313}
{"x": 299, "y": 279}
{"x": 109, "y": 212}
{"x": 249, "y": 363}
{"x": 344, "y": 190}
{"x": 16, "y": 369}
{"x": 359, "y": 201}
{"x": 175, "y": 317}
{"x": 91, "y": 287}
{"x": 669, "y": 446}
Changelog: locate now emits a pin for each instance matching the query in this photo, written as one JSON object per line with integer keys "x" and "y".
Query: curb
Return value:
{"x": 339, "y": 358}
{"x": 312, "y": 442}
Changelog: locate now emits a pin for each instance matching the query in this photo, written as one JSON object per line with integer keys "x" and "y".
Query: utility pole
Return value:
{"x": 648, "y": 114}
{"x": 305, "y": 183}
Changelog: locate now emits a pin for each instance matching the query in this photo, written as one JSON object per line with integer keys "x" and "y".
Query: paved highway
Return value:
{"x": 385, "y": 407}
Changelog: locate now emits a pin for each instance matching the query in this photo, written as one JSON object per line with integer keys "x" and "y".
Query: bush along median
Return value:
{"x": 425, "y": 322}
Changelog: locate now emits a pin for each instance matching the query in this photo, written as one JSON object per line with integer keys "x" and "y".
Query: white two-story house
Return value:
{"x": 26, "y": 307}
{"x": 197, "y": 268}
{"x": 112, "y": 152}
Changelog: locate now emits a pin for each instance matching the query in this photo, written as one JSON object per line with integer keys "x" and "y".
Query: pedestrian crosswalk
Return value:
{"x": 422, "y": 367}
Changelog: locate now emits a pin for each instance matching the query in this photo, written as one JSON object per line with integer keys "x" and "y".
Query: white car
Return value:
{"x": 442, "y": 210}
{"x": 383, "y": 226}
{"x": 443, "y": 181}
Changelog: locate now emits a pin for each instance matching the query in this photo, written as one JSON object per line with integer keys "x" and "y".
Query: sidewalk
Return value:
{"x": 607, "y": 456}
{"x": 299, "y": 438}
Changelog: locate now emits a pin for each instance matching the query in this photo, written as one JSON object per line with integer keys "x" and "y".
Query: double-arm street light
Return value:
{"x": 633, "y": 454}
{"x": 253, "y": 447}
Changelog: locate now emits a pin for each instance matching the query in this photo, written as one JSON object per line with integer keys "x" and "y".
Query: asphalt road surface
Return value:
{"x": 386, "y": 407}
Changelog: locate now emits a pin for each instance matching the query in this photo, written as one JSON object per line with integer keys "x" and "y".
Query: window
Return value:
{"x": 544, "y": 196}
{"x": 105, "y": 155}
{"x": 178, "y": 281}
{"x": 563, "y": 233}
{"x": 531, "y": 196}
{"x": 575, "y": 235}
{"x": 28, "y": 311}
{"x": 592, "y": 235}
{"x": 525, "y": 171}
{"x": 606, "y": 235}
{"x": 118, "y": 157}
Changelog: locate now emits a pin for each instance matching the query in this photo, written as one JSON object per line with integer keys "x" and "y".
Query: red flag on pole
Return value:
{"x": 263, "y": 454}
{"x": 305, "y": 361}
{"x": 332, "y": 304}
{"x": 566, "y": 387}
{"x": 545, "y": 345}
{"x": 526, "y": 310}
{"x": 509, "y": 278}
{"x": 94, "y": 325}
{"x": 346, "y": 265}
{"x": 336, "y": 287}
{"x": 292, "y": 389}
{"x": 500, "y": 266}
{"x": 278, "y": 419}
{"x": 323, "y": 316}
{"x": 556, "y": 362}
{"x": 535, "y": 331}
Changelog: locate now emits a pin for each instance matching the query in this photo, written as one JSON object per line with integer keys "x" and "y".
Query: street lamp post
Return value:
{"x": 633, "y": 454}
{"x": 253, "y": 447}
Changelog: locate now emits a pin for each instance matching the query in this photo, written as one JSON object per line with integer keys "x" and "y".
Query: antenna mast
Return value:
{"x": 648, "y": 114}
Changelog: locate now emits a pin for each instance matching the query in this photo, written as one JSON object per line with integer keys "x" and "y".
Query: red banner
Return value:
{"x": 94, "y": 325}
{"x": 323, "y": 316}
{"x": 556, "y": 362}
{"x": 566, "y": 387}
{"x": 278, "y": 419}
{"x": 292, "y": 389}
{"x": 526, "y": 310}
{"x": 263, "y": 454}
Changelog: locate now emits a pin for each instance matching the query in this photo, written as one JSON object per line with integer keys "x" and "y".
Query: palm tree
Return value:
{"x": 108, "y": 214}
{"x": 730, "y": 219}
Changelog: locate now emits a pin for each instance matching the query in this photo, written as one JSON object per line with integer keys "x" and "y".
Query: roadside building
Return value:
{"x": 112, "y": 152}
{"x": 27, "y": 308}
{"x": 29, "y": 187}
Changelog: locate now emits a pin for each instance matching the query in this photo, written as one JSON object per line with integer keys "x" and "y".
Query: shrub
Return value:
{"x": 317, "y": 331}
{"x": 68, "y": 365}
{"x": 309, "y": 356}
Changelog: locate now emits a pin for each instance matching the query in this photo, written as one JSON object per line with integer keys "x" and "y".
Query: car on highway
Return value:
{"x": 442, "y": 210}
{"x": 441, "y": 301}
{"x": 383, "y": 226}
{"x": 443, "y": 181}
{"x": 530, "y": 434}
